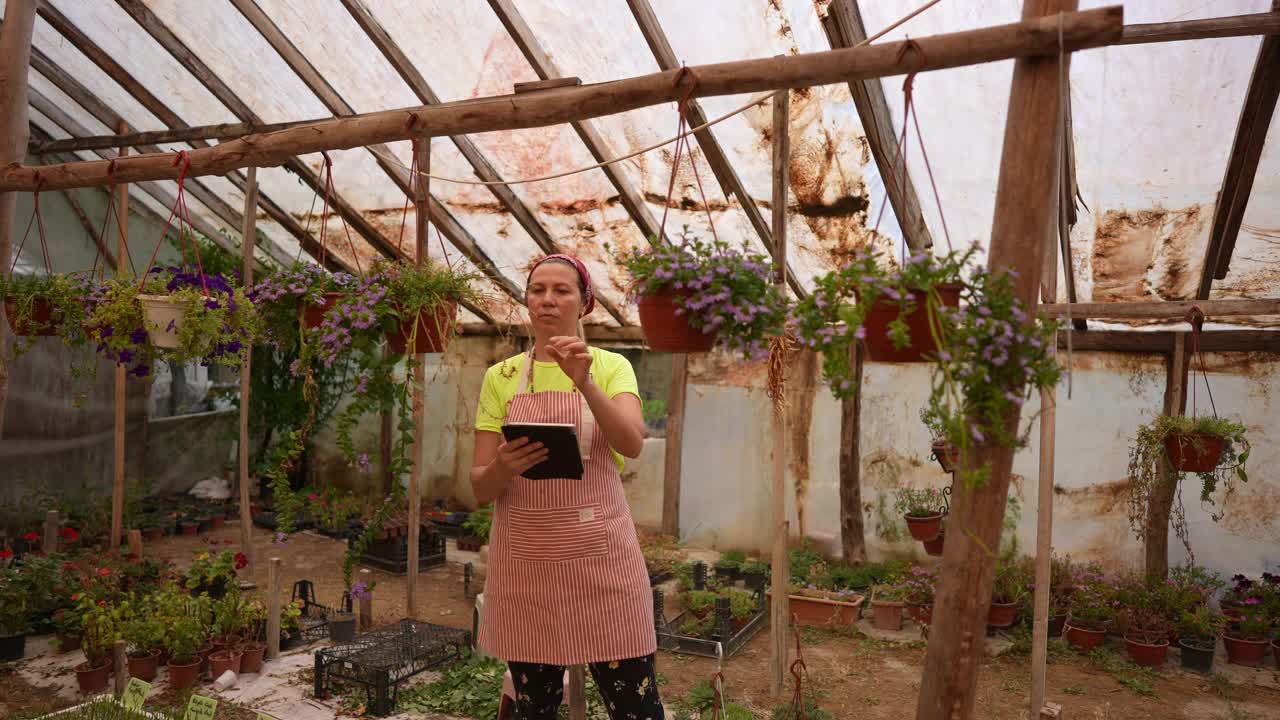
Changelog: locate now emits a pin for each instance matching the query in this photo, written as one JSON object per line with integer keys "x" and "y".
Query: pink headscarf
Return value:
{"x": 588, "y": 293}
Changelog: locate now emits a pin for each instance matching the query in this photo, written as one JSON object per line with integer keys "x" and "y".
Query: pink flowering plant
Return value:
{"x": 720, "y": 289}
{"x": 919, "y": 585}
{"x": 1093, "y": 604}
{"x": 831, "y": 318}
{"x": 283, "y": 295}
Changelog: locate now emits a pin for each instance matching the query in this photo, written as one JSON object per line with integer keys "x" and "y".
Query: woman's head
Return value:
{"x": 558, "y": 293}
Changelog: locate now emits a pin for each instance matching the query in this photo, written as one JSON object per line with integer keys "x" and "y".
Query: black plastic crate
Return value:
{"x": 381, "y": 660}
{"x": 313, "y": 625}
{"x": 724, "y": 641}
{"x": 267, "y": 519}
{"x": 392, "y": 554}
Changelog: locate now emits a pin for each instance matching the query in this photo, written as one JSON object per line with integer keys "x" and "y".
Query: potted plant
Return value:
{"x": 183, "y": 642}
{"x": 1244, "y": 591}
{"x": 214, "y": 573}
{"x": 198, "y": 317}
{"x": 693, "y": 293}
{"x": 305, "y": 290}
{"x": 940, "y": 448}
{"x": 661, "y": 556}
{"x": 1146, "y": 633}
{"x": 1213, "y": 448}
{"x": 45, "y": 306}
{"x": 887, "y": 600}
{"x": 1007, "y": 595}
{"x": 729, "y": 565}
{"x": 342, "y": 624}
{"x": 14, "y": 616}
{"x": 478, "y": 525}
{"x": 424, "y": 302}
{"x": 1246, "y": 639}
{"x": 1198, "y": 629}
{"x": 252, "y": 622}
{"x": 291, "y": 624}
{"x": 1093, "y": 608}
{"x": 145, "y": 634}
{"x": 923, "y": 510}
{"x": 919, "y": 594}
{"x": 101, "y": 629}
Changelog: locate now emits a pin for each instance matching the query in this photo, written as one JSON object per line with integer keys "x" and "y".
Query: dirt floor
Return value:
{"x": 855, "y": 675}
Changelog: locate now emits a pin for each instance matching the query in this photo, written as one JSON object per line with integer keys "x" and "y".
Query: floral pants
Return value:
{"x": 629, "y": 688}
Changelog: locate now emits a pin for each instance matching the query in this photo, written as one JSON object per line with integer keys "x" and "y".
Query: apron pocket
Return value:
{"x": 557, "y": 534}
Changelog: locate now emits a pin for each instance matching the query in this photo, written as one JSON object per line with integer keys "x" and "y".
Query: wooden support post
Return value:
{"x": 121, "y": 396}
{"x": 422, "y": 223}
{"x": 273, "y": 608}
{"x": 853, "y": 542}
{"x": 1155, "y": 535}
{"x": 677, "y": 392}
{"x": 135, "y": 542}
{"x": 15, "y": 56}
{"x": 780, "y": 620}
{"x": 51, "y": 527}
{"x": 1024, "y": 212}
{"x": 120, "y": 669}
{"x": 248, "y": 235}
{"x": 577, "y": 693}
{"x": 365, "y": 620}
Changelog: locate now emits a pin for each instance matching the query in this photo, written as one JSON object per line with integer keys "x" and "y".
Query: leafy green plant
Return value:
{"x": 1129, "y": 674}
{"x": 332, "y": 508}
{"x": 720, "y": 289}
{"x": 26, "y": 296}
{"x": 1199, "y": 627}
{"x": 889, "y": 592}
{"x": 101, "y": 630}
{"x": 15, "y": 615}
{"x": 214, "y": 571}
{"x": 479, "y": 523}
{"x": 1149, "y": 467}
{"x": 922, "y": 502}
{"x": 1010, "y": 586}
{"x": 471, "y": 688}
{"x": 661, "y": 554}
{"x": 654, "y": 411}
{"x": 142, "y": 629}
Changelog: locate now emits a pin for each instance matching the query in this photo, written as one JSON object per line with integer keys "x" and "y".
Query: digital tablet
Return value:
{"x": 561, "y": 440}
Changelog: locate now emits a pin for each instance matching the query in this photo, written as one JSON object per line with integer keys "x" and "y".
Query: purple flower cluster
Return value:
{"x": 357, "y": 313}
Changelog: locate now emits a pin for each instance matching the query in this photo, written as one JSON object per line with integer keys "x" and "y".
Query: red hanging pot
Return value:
{"x": 947, "y": 455}
{"x": 1193, "y": 452}
{"x": 666, "y": 331}
{"x": 924, "y": 528}
{"x": 934, "y": 547}
{"x": 435, "y": 330}
{"x": 40, "y": 324}
{"x": 884, "y": 311}
{"x": 313, "y": 315}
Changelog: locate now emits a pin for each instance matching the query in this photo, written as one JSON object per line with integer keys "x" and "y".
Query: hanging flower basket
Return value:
{"x": 39, "y": 322}
{"x": 435, "y": 330}
{"x": 933, "y": 547}
{"x": 947, "y": 455}
{"x": 313, "y": 315}
{"x": 884, "y": 311}
{"x": 666, "y": 330}
{"x": 1194, "y": 452}
{"x": 925, "y": 528}
{"x": 163, "y": 317}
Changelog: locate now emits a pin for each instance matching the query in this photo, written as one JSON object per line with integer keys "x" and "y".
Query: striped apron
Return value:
{"x": 567, "y": 584}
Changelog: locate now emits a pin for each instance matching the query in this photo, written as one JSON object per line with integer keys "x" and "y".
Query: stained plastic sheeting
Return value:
{"x": 1153, "y": 126}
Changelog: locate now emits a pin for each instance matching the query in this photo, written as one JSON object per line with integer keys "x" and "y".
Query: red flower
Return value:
{"x": 241, "y": 561}
{"x": 5, "y": 554}
{"x": 226, "y": 542}
{"x": 70, "y": 534}
{"x": 30, "y": 537}
{"x": 104, "y": 572}
{"x": 75, "y": 597}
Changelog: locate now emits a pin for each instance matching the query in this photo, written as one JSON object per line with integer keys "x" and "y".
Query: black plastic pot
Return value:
{"x": 342, "y": 628}
{"x": 12, "y": 647}
{"x": 1194, "y": 658}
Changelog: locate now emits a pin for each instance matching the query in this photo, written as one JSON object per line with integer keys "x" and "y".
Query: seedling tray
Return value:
{"x": 392, "y": 553}
{"x": 380, "y": 661}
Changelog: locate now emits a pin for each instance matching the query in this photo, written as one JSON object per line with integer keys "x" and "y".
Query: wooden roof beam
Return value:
{"x": 447, "y": 224}
{"x": 1161, "y": 341}
{"x": 1167, "y": 310}
{"x": 1029, "y": 38}
{"x": 546, "y": 69}
{"x": 727, "y": 176}
{"x": 485, "y": 171}
{"x": 845, "y": 29}
{"x": 1242, "y": 164}
{"x": 1219, "y": 27}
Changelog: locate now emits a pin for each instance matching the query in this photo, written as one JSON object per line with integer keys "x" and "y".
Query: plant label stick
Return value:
{"x": 135, "y": 693}
{"x": 200, "y": 708}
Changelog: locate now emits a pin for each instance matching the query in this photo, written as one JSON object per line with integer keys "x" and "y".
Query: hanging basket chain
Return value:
{"x": 37, "y": 219}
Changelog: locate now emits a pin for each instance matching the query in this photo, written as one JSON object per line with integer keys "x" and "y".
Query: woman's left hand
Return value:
{"x": 574, "y": 358}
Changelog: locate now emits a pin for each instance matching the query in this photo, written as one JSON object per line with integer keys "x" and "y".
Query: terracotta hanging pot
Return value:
{"x": 435, "y": 330}
{"x": 40, "y": 324}
{"x": 1193, "y": 452}
{"x": 933, "y": 547}
{"x": 947, "y": 455}
{"x": 666, "y": 331}
{"x": 884, "y": 311}
{"x": 924, "y": 528}
{"x": 313, "y": 315}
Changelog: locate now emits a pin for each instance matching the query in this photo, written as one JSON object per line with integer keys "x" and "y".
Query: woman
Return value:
{"x": 567, "y": 583}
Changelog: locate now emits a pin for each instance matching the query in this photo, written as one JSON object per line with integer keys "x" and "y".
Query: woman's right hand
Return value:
{"x": 517, "y": 456}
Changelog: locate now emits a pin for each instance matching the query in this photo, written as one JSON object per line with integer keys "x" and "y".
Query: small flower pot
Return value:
{"x": 1002, "y": 615}
{"x": 883, "y": 311}
{"x": 824, "y": 612}
{"x": 666, "y": 326}
{"x": 251, "y": 654}
{"x": 934, "y": 547}
{"x": 886, "y": 614}
{"x": 217, "y": 521}
{"x": 144, "y": 667}
{"x": 12, "y": 647}
{"x": 435, "y": 330}
{"x": 40, "y": 324}
{"x": 313, "y": 315}
{"x": 184, "y": 674}
{"x": 947, "y": 455}
{"x": 190, "y": 528}
{"x": 152, "y": 534}
{"x": 1083, "y": 638}
{"x": 1146, "y": 655}
{"x": 221, "y": 661}
{"x": 162, "y": 318}
{"x": 93, "y": 678}
{"x": 1056, "y": 623}
{"x": 1193, "y": 452}
{"x": 923, "y": 528}
{"x": 1249, "y": 653}
{"x": 1199, "y": 659}
{"x": 342, "y": 627}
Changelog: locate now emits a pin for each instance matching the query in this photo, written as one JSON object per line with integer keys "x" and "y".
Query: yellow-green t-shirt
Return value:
{"x": 611, "y": 371}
